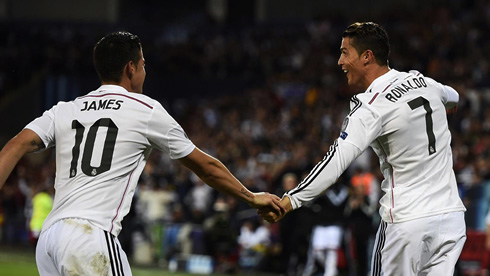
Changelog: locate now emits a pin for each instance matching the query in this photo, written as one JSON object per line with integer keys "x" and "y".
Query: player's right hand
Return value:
{"x": 268, "y": 201}
{"x": 270, "y": 216}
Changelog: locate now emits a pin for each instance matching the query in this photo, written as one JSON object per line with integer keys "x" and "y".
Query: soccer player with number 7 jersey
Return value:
{"x": 402, "y": 116}
{"x": 103, "y": 140}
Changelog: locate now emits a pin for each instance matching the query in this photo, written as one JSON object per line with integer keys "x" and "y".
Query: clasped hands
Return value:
{"x": 270, "y": 207}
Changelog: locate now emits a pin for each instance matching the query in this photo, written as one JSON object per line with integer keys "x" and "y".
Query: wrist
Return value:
{"x": 248, "y": 196}
{"x": 286, "y": 203}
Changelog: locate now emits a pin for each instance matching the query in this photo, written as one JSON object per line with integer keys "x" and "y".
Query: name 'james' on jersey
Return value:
{"x": 103, "y": 140}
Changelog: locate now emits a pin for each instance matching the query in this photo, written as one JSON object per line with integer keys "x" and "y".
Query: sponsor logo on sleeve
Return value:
{"x": 343, "y": 133}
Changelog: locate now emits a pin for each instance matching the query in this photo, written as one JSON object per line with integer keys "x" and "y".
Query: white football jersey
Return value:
{"x": 402, "y": 116}
{"x": 103, "y": 140}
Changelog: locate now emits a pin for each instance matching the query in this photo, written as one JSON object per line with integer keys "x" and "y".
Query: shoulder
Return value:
{"x": 423, "y": 80}
{"x": 143, "y": 100}
{"x": 363, "y": 110}
{"x": 386, "y": 91}
{"x": 61, "y": 105}
{"x": 362, "y": 103}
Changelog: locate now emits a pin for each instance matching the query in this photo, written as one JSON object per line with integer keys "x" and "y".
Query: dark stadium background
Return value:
{"x": 256, "y": 84}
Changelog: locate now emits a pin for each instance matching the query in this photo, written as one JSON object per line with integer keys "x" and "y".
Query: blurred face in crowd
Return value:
{"x": 352, "y": 64}
{"x": 289, "y": 182}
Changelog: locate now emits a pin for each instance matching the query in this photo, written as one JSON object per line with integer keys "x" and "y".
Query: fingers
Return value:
{"x": 282, "y": 210}
{"x": 268, "y": 215}
{"x": 276, "y": 205}
{"x": 275, "y": 197}
{"x": 269, "y": 207}
{"x": 263, "y": 200}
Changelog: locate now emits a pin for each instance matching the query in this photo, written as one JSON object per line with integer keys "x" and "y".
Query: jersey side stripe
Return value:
{"x": 116, "y": 94}
{"x": 317, "y": 170}
{"x": 122, "y": 200}
{"x": 357, "y": 103}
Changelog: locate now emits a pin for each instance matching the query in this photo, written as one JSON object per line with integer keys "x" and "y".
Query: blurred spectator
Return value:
{"x": 220, "y": 237}
{"x": 360, "y": 211}
{"x": 170, "y": 243}
{"x": 294, "y": 230}
{"x": 14, "y": 223}
{"x": 156, "y": 202}
{"x": 42, "y": 203}
{"x": 155, "y": 206}
{"x": 254, "y": 240}
{"x": 328, "y": 231}
{"x": 198, "y": 199}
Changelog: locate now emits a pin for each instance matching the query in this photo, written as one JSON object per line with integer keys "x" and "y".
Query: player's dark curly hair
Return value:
{"x": 113, "y": 52}
{"x": 369, "y": 36}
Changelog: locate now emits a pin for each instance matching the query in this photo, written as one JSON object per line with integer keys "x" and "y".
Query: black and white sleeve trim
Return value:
{"x": 316, "y": 170}
{"x": 357, "y": 104}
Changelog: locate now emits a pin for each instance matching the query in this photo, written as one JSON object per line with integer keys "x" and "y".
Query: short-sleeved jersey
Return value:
{"x": 103, "y": 140}
{"x": 402, "y": 116}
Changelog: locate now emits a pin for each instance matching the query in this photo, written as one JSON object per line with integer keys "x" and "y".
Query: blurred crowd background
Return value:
{"x": 256, "y": 84}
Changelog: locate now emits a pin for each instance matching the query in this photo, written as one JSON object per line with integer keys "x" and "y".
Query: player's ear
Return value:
{"x": 130, "y": 69}
{"x": 367, "y": 56}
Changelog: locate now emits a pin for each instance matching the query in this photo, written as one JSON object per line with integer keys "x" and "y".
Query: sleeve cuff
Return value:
{"x": 294, "y": 203}
{"x": 40, "y": 133}
{"x": 452, "y": 96}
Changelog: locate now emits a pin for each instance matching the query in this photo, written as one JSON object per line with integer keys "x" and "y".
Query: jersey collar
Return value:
{"x": 111, "y": 88}
{"x": 382, "y": 79}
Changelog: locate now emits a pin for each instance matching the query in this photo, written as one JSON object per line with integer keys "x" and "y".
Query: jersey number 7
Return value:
{"x": 107, "y": 152}
{"x": 418, "y": 102}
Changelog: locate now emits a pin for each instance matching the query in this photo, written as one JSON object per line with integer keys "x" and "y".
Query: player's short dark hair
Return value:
{"x": 369, "y": 36}
{"x": 113, "y": 52}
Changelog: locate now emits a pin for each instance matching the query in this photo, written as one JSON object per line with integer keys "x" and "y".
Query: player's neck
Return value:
{"x": 375, "y": 72}
{"x": 126, "y": 85}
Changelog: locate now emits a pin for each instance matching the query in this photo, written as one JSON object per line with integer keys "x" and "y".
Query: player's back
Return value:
{"x": 101, "y": 149}
{"x": 413, "y": 146}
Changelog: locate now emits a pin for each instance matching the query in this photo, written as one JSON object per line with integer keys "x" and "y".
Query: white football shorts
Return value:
{"x": 76, "y": 247}
{"x": 424, "y": 246}
{"x": 326, "y": 237}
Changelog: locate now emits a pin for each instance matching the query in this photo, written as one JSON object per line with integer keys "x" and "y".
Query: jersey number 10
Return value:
{"x": 107, "y": 152}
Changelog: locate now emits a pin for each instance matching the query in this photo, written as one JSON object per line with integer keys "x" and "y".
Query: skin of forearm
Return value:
{"x": 220, "y": 178}
{"x": 26, "y": 141}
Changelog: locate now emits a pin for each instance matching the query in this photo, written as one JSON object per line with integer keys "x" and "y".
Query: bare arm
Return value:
{"x": 216, "y": 175}
{"x": 25, "y": 142}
